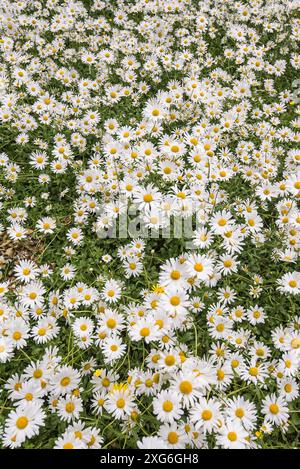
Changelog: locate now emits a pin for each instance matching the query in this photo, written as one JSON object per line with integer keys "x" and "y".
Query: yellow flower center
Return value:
{"x": 168, "y": 406}
{"x": 37, "y": 373}
{"x": 148, "y": 198}
{"x": 206, "y": 415}
{"x": 274, "y": 409}
{"x": 105, "y": 382}
{"x": 185, "y": 387}
{"x": 198, "y": 267}
{"x": 70, "y": 407}
{"x": 170, "y": 360}
{"x": 65, "y": 381}
{"x": 222, "y": 222}
{"x": 172, "y": 438}
{"x": 232, "y": 436}
{"x": 111, "y": 323}
{"x": 295, "y": 343}
{"x": 120, "y": 403}
{"x": 175, "y": 275}
{"x": 175, "y": 300}
{"x": 240, "y": 413}
{"x": 22, "y": 422}
{"x": 253, "y": 371}
{"x": 145, "y": 331}
{"x": 68, "y": 445}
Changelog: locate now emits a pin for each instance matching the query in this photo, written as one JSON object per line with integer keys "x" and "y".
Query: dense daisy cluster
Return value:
{"x": 149, "y": 230}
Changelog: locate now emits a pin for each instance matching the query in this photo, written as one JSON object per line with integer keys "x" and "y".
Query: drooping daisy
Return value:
{"x": 98, "y": 402}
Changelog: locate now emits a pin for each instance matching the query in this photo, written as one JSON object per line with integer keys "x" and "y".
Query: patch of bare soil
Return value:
{"x": 11, "y": 252}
